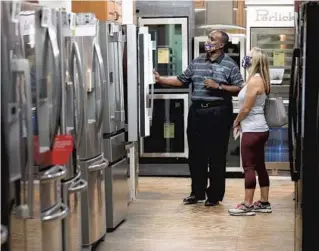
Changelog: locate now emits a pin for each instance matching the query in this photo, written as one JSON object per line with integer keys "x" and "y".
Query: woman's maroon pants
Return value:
{"x": 253, "y": 158}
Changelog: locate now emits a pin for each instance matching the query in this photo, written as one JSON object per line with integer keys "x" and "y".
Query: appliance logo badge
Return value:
{"x": 267, "y": 16}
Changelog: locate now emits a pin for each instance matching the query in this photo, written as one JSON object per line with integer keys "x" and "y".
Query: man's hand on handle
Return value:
{"x": 157, "y": 76}
{"x": 171, "y": 81}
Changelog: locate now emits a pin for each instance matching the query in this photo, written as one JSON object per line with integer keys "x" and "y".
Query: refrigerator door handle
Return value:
{"x": 79, "y": 89}
{"x": 55, "y": 51}
{"x": 55, "y": 173}
{"x": 152, "y": 104}
{"x": 61, "y": 214}
{"x": 292, "y": 109}
{"x": 23, "y": 66}
{"x": 120, "y": 81}
{"x": 102, "y": 83}
{"x": 78, "y": 186}
{"x": 99, "y": 166}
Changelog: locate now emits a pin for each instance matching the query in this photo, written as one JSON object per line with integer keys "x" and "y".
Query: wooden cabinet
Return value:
{"x": 239, "y": 14}
{"x": 200, "y": 4}
{"x": 107, "y": 10}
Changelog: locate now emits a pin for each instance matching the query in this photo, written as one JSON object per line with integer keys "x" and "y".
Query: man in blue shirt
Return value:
{"x": 215, "y": 78}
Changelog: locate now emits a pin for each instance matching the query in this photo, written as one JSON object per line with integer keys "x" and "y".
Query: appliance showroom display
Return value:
{"x": 304, "y": 126}
{"x": 271, "y": 28}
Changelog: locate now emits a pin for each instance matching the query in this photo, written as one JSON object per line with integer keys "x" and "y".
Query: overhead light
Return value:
{"x": 222, "y": 26}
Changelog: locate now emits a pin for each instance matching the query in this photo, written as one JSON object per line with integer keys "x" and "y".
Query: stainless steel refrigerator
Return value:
{"x": 304, "y": 127}
{"x": 32, "y": 98}
{"x": 128, "y": 108}
{"x": 91, "y": 157}
{"x": 72, "y": 122}
{"x": 16, "y": 202}
{"x": 116, "y": 176}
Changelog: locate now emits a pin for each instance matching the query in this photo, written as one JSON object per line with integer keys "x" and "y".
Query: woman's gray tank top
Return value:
{"x": 255, "y": 120}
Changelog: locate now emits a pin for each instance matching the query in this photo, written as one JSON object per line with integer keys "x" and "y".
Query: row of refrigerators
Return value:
{"x": 71, "y": 102}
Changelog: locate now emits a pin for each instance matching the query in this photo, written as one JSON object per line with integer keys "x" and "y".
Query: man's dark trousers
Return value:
{"x": 208, "y": 131}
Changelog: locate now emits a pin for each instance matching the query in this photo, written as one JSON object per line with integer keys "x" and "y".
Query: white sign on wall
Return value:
{"x": 270, "y": 16}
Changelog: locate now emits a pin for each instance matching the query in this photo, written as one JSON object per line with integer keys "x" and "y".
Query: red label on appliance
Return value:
{"x": 60, "y": 153}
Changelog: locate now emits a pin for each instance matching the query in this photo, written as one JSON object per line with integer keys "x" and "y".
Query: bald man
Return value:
{"x": 215, "y": 78}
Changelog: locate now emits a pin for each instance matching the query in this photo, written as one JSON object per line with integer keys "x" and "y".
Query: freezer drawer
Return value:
{"x": 93, "y": 200}
{"x": 114, "y": 147}
{"x": 117, "y": 193}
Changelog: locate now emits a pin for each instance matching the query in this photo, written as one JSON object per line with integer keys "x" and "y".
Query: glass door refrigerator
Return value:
{"x": 165, "y": 150}
{"x": 304, "y": 127}
{"x": 278, "y": 43}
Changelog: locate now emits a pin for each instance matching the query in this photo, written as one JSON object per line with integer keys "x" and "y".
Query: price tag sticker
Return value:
{"x": 27, "y": 25}
{"x": 72, "y": 21}
{"x": 60, "y": 154}
{"x": 46, "y": 17}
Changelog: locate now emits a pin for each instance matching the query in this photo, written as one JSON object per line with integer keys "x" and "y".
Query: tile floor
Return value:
{"x": 158, "y": 221}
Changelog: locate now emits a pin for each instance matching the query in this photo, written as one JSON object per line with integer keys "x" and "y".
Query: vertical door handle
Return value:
{"x": 51, "y": 34}
{"x": 55, "y": 51}
{"x": 23, "y": 66}
{"x": 292, "y": 110}
{"x": 152, "y": 103}
{"x": 49, "y": 37}
{"x": 120, "y": 69}
{"x": 79, "y": 90}
{"x": 99, "y": 115}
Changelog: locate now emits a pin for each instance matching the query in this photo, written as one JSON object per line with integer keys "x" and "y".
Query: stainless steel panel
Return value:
{"x": 72, "y": 167}
{"x": 93, "y": 200}
{"x": 114, "y": 147}
{"x": 52, "y": 227}
{"x": 94, "y": 140}
{"x": 41, "y": 232}
{"x": 50, "y": 182}
{"x": 117, "y": 193}
{"x": 72, "y": 228}
{"x": 86, "y": 37}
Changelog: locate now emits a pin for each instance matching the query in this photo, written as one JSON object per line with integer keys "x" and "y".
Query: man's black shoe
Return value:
{"x": 191, "y": 200}
{"x": 211, "y": 203}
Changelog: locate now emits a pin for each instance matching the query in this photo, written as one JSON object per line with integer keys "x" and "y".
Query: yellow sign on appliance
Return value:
{"x": 162, "y": 55}
{"x": 279, "y": 58}
{"x": 169, "y": 130}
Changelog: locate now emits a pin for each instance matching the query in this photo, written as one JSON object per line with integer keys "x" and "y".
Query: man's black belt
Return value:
{"x": 208, "y": 104}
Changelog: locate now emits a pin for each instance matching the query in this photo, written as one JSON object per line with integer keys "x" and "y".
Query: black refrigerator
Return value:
{"x": 304, "y": 127}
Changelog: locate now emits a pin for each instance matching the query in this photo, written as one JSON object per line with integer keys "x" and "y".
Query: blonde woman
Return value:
{"x": 252, "y": 124}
